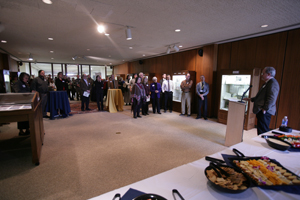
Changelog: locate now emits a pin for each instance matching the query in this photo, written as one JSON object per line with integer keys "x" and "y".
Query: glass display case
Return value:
{"x": 233, "y": 85}
{"x": 177, "y": 79}
{"x": 232, "y": 89}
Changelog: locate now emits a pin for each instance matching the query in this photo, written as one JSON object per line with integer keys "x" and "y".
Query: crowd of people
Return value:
{"x": 137, "y": 92}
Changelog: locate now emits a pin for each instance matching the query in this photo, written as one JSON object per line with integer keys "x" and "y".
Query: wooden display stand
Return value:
{"x": 235, "y": 123}
{"x": 32, "y": 113}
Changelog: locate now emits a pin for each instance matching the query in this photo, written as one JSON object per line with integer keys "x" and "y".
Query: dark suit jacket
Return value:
{"x": 84, "y": 86}
{"x": 111, "y": 85}
{"x": 266, "y": 97}
{"x": 152, "y": 89}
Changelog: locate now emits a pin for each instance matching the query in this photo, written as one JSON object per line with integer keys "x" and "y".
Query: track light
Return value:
{"x": 128, "y": 33}
{"x": 168, "y": 50}
{"x": 74, "y": 58}
{"x": 30, "y": 57}
{"x": 176, "y": 48}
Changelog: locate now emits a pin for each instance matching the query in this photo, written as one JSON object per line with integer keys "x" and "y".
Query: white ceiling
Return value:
{"x": 72, "y": 23}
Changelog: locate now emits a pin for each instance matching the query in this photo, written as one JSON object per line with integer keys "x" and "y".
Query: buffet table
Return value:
{"x": 191, "y": 182}
{"x": 114, "y": 100}
{"x": 58, "y": 100}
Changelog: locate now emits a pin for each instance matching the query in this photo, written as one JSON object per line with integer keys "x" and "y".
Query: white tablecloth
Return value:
{"x": 191, "y": 182}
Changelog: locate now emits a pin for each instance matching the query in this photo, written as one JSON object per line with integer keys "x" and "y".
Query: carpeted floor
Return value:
{"x": 84, "y": 156}
{"x": 76, "y": 107}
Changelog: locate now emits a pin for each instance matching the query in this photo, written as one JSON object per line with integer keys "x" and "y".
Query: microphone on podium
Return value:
{"x": 245, "y": 93}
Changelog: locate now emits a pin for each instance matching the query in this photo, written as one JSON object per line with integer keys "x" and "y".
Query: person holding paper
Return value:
{"x": 85, "y": 87}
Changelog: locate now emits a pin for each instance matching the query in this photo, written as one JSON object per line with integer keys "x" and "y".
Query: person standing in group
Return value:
{"x": 162, "y": 94}
{"x": 202, "y": 90}
{"x": 85, "y": 87}
{"x": 132, "y": 81}
{"x": 73, "y": 88}
{"x": 145, "y": 106}
{"x": 99, "y": 92}
{"x": 186, "y": 96}
{"x": 127, "y": 90}
{"x": 155, "y": 89}
{"x": 78, "y": 91}
{"x": 141, "y": 74}
{"x": 265, "y": 100}
{"x": 113, "y": 84}
{"x": 40, "y": 85}
{"x": 167, "y": 89}
{"x": 138, "y": 96}
{"x": 60, "y": 83}
{"x": 22, "y": 86}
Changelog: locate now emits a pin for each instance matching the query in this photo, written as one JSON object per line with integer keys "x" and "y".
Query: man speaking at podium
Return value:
{"x": 265, "y": 100}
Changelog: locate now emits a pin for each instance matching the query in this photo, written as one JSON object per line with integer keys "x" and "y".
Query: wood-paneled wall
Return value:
{"x": 187, "y": 60}
{"x": 281, "y": 51}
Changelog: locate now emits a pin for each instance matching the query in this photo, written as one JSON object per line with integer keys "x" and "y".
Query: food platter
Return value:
{"x": 283, "y": 142}
{"x": 235, "y": 182}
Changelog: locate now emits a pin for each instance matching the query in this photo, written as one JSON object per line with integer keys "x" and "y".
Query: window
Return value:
{"x": 25, "y": 68}
{"x": 35, "y": 67}
{"x": 85, "y": 70}
{"x": 97, "y": 70}
{"x": 56, "y": 69}
{"x": 72, "y": 71}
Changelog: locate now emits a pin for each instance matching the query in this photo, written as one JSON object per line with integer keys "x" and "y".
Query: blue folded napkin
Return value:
{"x": 131, "y": 194}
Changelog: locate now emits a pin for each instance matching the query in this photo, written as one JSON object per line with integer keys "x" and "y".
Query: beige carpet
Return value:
{"x": 87, "y": 155}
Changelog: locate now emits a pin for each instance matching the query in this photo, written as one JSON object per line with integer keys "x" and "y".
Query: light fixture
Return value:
{"x": 101, "y": 29}
{"x": 264, "y": 26}
{"x": 177, "y": 30}
{"x": 180, "y": 46}
{"x": 51, "y": 51}
{"x": 168, "y": 50}
{"x": 50, "y": 38}
{"x": 176, "y": 48}
{"x": 128, "y": 33}
{"x": 144, "y": 55}
{"x": 130, "y": 48}
{"x": 106, "y": 34}
{"x": 30, "y": 57}
{"x": 3, "y": 41}
{"x": 74, "y": 58}
{"x": 47, "y": 1}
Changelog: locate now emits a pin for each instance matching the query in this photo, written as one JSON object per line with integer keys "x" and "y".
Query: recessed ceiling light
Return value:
{"x": 180, "y": 46}
{"x": 123, "y": 60}
{"x": 3, "y": 41}
{"x": 50, "y": 38}
{"x": 110, "y": 63}
{"x": 177, "y": 30}
{"x": 106, "y": 34}
{"x": 130, "y": 47}
{"x": 143, "y": 54}
{"x": 88, "y": 49}
{"x": 47, "y": 1}
{"x": 101, "y": 29}
{"x": 51, "y": 51}
{"x": 264, "y": 26}
{"x": 52, "y": 58}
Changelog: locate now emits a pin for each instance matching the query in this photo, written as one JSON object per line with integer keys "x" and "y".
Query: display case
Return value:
{"x": 232, "y": 89}
{"x": 177, "y": 78}
{"x": 18, "y": 107}
{"x": 234, "y": 83}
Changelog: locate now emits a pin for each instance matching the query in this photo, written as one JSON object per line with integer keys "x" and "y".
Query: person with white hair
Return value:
{"x": 265, "y": 100}
{"x": 155, "y": 89}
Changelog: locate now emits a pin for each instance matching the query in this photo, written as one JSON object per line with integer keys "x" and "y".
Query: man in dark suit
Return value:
{"x": 155, "y": 89}
{"x": 265, "y": 100}
{"x": 85, "y": 87}
{"x": 202, "y": 90}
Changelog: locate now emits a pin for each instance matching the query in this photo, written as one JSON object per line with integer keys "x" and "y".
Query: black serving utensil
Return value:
{"x": 215, "y": 166}
{"x": 174, "y": 191}
{"x": 117, "y": 196}
{"x": 149, "y": 196}
{"x": 238, "y": 153}
{"x": 214, "y": 160}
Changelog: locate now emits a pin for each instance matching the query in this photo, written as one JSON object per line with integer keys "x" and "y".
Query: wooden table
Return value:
{"x": 114, "y": 100}
{"x": 31, "y": 112}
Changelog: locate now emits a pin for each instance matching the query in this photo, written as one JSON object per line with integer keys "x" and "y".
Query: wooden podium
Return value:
{"x": 18, "y": 107}
{"x": 235, "y": 123}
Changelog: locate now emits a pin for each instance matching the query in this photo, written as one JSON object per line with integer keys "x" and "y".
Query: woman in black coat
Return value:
{"x": 99, "y": 92}
{"x": 22, "y": 86}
